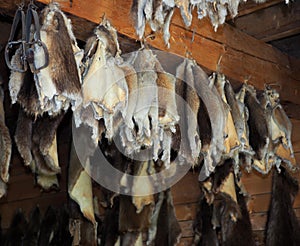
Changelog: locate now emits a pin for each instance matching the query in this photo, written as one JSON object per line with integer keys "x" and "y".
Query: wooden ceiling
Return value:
{"x": 274, "y": 22}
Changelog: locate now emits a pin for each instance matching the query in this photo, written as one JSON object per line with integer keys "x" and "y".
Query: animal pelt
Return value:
{"x": 48, "y": 227}
{"x": 217, "y": 115}
{"x": 44, "y": 136}
{"x": 16, "y": 231}
{"x": 110, "y": 226}
{"x": 23, "y": 136}
{"x": 223, "y": 222}
{"x": 168, "y": 231}
{"x": 33, "y": 229}
{"x": 158, "y": 13}
{"x": 104, "y": 86}
{"x": 62, "y": 236}
{"x": 22, "y": 88}
{"x": 280, "y": 127}
{"x": 259, "y": 132}
{"x": 205, "y": 234}
{"x": 282, "y": 225}
{"x": 37, "y": 145}
{"x": 5, "y": 143}
{"x": 240, "y": 232}
{"x": 232, "y": 141}
{"x": 130, "y": 220}
{"x": 59, "y": 83}
{"x": 80, "y": 184}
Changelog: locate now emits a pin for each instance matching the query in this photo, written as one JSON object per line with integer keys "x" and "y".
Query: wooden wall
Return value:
{"x": 23, "y": 193}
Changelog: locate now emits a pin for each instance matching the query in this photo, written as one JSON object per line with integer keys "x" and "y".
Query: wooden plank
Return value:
{"x": 186, "y": 228}
{"x": 256, "y": 183}
{"x": 259, "y": 220}
{"x": 296, "y": 135}
{"x": 186, "y": 190}
{"x": 276, "y": 22}
{"x": 186, "y": 241}
{"x": 249, "y": 7}
{"x": 186, "y": 211}
{"x": 260, "y": 203}
{"x": 207, "y": 46}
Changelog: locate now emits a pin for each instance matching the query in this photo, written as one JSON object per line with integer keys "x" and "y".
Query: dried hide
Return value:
{"x": 48, "y": 227}
{"x": 259, "y": 132}
{"x": 240, "y": 232}
{"x": 80, "y": 185}
{"x": 132, "y": 223}
{"x": 186, "y": 11}
{"x": 151, "y": 113}
{"x": 33, "y": 229}
{"x": 189, "y": 104}
{"x": 158, "y": 13}
{"x": 142, "y": 185}
{"x": 282, "y": 226}
{"x": 23, "y": 137}
{"x": 239, "y": 116}
{"x": 164, "y": 229}
{"x": 213, "y": 153}
{"x": 22, "y": 87}
{"x": 37, "y": 145}
{"x": 59, "y": 83}
{"x": 44, "y": 143}
{"x": 5, "y": 144}
{"x": 104, "y": 86}
{"x": 16, "y": 231}
{"x": 231, "y": 142}
{"x": 205, "y": 234}
{"x": 110, "y": 225}
{"x": 225, "y": 220}
{"x": 280, "y": 127}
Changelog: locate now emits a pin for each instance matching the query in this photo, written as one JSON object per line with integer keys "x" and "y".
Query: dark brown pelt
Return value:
{"x": 23, "y": 136}
{"x": 282, "y": 226}
{"x": 61, "y": 58}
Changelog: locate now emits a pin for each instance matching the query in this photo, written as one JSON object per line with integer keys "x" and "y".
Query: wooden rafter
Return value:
{"x": 278, "y": 21}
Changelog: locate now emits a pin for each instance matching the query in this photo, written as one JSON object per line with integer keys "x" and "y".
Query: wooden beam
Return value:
{"x": 276, "y": 22}
{"x": 249, "y": 7}
{"x": 239, "y": 56}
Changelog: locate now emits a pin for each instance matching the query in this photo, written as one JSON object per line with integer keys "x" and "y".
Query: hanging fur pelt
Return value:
{"x": 59, "y": 83}
{"x": 37, "y": 144}
{"x": 5, "y": 146}
{"x": 33, "y": 229}
{"x": 16, "y": 231}
{"x": 222, "y": 217}
{"x": 283, "y": 227}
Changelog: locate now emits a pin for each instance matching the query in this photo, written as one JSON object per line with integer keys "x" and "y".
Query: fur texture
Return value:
{"x": 33, "y": 229}
{"x": 16, "y": 231}
{"x": 23, "y": 136}
{"x": 59, "y": 81}
{"x": 282, "y": 226}
{"x": 205, "y": 234}
{"x": 168, "y": 228}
